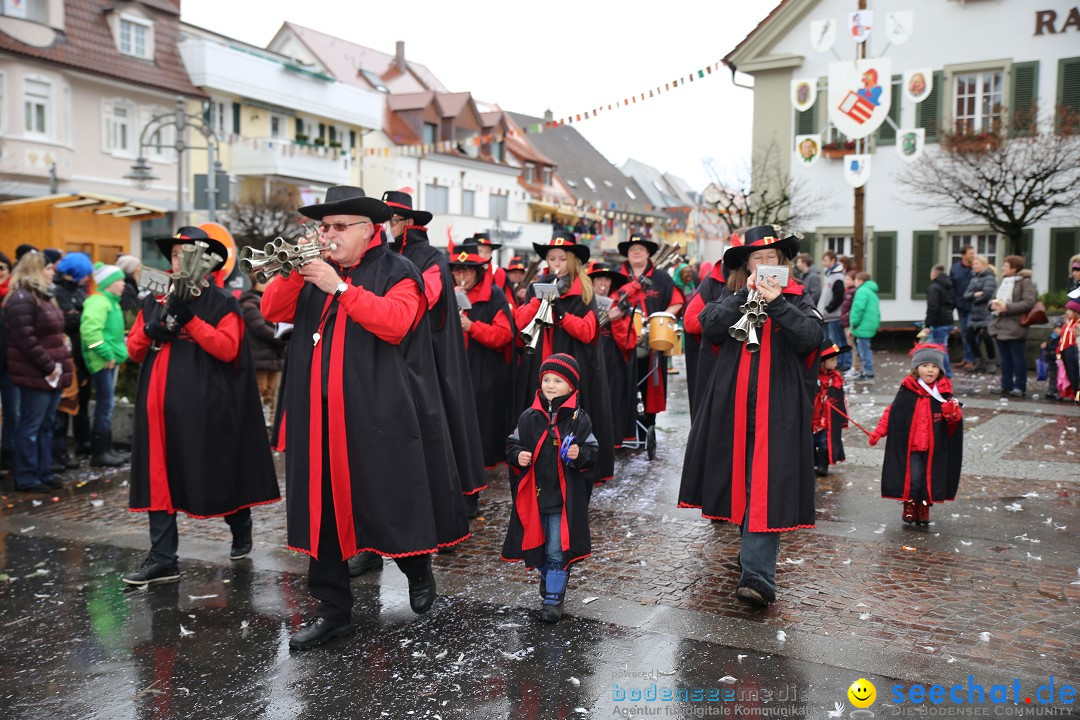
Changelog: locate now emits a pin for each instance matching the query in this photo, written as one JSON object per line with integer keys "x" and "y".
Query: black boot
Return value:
{"x": 241, "y": 541}
{"x": 364, "y": 562}
{"x": 125, "y": 456}
{"x": 422, "y": 589}
{"x": 101, "y": 456}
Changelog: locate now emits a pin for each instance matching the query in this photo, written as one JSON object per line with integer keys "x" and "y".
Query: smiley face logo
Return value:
{"x": 862, "y": 693}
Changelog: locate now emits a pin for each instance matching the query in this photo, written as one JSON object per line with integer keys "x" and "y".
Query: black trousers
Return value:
{"x": 165, "y": 540}
{"x": 328, "y": 576}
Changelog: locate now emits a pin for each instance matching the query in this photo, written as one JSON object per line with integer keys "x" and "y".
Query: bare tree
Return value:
{"x": 765, "y": 195}
{"x": 1010, "y": 181}
{"x": 258, "y": 220}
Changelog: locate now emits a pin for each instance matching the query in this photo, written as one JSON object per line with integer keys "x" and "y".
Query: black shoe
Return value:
{"x": 69, "y": 462}
{"x": 364, "y": 562}
{"x": 241, "y": 543}
{"x": 53, "y": 483}
{"x": 107, "y": 459}
{"x": 422, "y": 591}
{"x": 551, "y": 613}
{"x": 1017, "y": 393}
{"x": 754, "y": 592}
{"x": 57, "y": 468}
{"x": 153, "y": 573}
{"x": 320, "y": 632}
{"x": 35, "y": 488}
{"x": 472, "y": 505}
{"x": 821, "y": 470}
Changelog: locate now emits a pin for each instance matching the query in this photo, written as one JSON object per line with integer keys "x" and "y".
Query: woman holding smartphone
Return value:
{"x": 750, "y": 455}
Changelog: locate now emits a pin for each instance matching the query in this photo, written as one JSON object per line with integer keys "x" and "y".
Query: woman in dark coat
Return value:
{"x": 576, "y": 332}
{"x": 488, "y": 328}
{"x": 750, "y": 455}
{"x": 978, "y": 295}
{"x": 199, "y": 444}
{"x": 40, "y": 364}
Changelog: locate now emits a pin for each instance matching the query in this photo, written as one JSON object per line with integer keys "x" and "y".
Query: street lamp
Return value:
{"x": 142, "y": 175}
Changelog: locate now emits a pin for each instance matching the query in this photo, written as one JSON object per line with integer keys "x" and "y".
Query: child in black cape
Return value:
{"x": 552, "y": 456}
{"x": 829, "y": 403}
{"x": 926, "y": 438}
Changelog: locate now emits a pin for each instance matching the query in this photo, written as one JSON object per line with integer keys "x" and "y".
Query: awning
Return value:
{"x": 98, "y": 204}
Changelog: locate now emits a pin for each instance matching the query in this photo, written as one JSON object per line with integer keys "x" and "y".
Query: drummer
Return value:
{"x": 651, "y": 291}
{"x": 618, "y": 336}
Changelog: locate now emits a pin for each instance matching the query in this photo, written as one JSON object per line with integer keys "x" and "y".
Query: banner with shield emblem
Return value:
{"x": 910, "y": 143}
{"x": 856, "y": 170}
{"x": 860, "y": 93}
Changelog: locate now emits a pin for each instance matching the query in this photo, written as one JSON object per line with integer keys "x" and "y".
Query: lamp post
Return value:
{"x": 142, "y": 175}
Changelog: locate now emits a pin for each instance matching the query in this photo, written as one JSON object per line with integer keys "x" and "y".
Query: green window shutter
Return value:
{"x": 884, "y": 256}
{"x": 928, "y": 112}
{"x": 236, "y": 118}
{"x": 886, "y": 134}
{"x": 1064, "y": 244}
{"x": 1025, "y": 97}
{"x": 806, "y": 245}
{"x": 924, "y": 257}
{"x": 1025, "y": 247}
{"x": 1068, "y": 92}
{"x": 299, "y": 126}
{"x": 322, "y": 131}
{"x": 806, "y": 122}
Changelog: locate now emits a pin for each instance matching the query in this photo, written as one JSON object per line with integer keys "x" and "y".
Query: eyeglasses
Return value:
{"x": 340, "y": 227}
{"x": 4, "y": 268}
{"x": 398, "y": 219}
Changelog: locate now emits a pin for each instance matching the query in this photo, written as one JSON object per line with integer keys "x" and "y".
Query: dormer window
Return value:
{"x": 136, "y": 37}
{"x": 547, "y": 176}
{"x": 530, "y": 173}
{"x": 590, "y": 183}
{"x": 32, "y": 10}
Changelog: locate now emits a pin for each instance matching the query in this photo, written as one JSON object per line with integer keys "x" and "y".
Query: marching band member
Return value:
{"x": 829, "y": 403}
{"x": 369, "y": 464}
{"x": 451, "y": 365}
{"x": 652, "y": 291}
{"x": 485, "y": 248}
{"x": 750, "y": 455}
{"x": 700, "y": 353}
{"x": 199, "y": 443}
{"x": 618, "y": 338}
{"x": 515, "y": 274}
{"x": 576, "y": 332}
{"x": 488, "y": 327}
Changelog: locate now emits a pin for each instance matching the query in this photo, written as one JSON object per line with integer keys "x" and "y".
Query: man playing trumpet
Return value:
{"x": 199, "y": 443}
{"x": 369, "y": 466}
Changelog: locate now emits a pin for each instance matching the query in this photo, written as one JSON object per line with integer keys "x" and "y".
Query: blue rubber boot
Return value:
{"x": 554, "y": 592}
{"x": 543, "y": 581}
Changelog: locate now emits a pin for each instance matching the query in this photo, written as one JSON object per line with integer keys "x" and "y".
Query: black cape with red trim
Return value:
{"x": 593, "y": 387}
{"x": 701, "y": 354}
{"x": 828, "y": 419}
{"x": 942, "y": 468}
{"x": 216, "y": 451}
{"x": 524, "y": 540}
{"x": 621, "y": 370}
{"x": 653, "y": 369}
{"x": 490, "y": 371}
{"x": 391, "y": 462}
{"x": 754, "y": 419}
{"x": 451, "y": 366}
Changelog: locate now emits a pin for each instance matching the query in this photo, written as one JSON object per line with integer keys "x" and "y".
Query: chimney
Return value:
{"x": 399, "y": 56}
{"x": 548, "y": 117}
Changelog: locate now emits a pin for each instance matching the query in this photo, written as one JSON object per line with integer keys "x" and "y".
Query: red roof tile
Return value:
{"x": 87, "y": 44}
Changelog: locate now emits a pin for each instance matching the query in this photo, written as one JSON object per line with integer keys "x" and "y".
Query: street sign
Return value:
{"x": 221, "y": 192}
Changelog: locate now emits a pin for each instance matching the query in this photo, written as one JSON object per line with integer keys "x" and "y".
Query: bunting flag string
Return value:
{"x": 478, "y": 139}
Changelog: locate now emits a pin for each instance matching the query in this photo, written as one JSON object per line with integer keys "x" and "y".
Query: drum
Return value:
{"x": 677, "y": 348}
{"x": 663, "y": 331}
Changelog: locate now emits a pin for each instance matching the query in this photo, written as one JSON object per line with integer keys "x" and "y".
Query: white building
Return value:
{"x": 986, "y": 57}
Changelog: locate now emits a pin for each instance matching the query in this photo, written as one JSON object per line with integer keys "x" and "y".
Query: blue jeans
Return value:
{"x": 969, "y": 351}
{"x": 835, "y": 331}
{"x": 104, "y": 399}
{"x": 552, "y": 524}
{"x": 1013, "y": 364}
{"x": 866, "y": 355}
{"x": 9, "y": 398}
{"x": 758, "y": 551}
{"x": 34, "y": 441}
{"x": 939, "y": 335}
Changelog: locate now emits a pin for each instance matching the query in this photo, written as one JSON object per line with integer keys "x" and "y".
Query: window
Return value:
{"x": 1068, "y": 94}
{"x": 468, "y": 202}
{"x": 3, "y": 104}
{"x": 236, "y": 118}
{"x": 32, "y": 10}
{"x": 590, "y": 183}
{"x": 118, "y": 125}
{"x": 530, "y": 173}
{"x": 497, "y": 151}
{"x": 135, "y": 37}
{"x": 436, "y": 199}
{"x": 215, "y": 116}
{"x": 630, "y": 193}
{"x": 160, "y": 144}
{"x": 1064, "y": 244}
{"x": 608, "y": 183}
{"x": 498, "y": 206}
{"x": 977, "y": 99}
{"x": 429, "y": 133}
{"x": 547, "y": 176}
{"x": 839, "y": 244}
{"x": 277, "y": 127}
{"x": 37, "y": 107}
{"x": 984, "y": 244}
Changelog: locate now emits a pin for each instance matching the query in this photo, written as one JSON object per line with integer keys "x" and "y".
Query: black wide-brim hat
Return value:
{"x": 400, "y": 203}
{"x": 517, "y": 263}
{"x": 467, "y": 259}
{"x": 348, "y": 200}
{"x": 562, "y": 240}
{"x": 190, "y": 234}
{"x": 831, "y": 349}
{"x": 762, "y": 237}
{"x": 602, "y": 269}
{"x": 482, "y": 238}
{"x": 638, "y": 239}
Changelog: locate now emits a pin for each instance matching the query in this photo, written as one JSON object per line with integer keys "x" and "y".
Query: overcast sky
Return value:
{"x": 566, "y": 56}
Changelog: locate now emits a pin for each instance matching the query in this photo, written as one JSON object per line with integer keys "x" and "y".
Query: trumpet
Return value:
{"x": 282, "y": 256}
{"x": 754, "y": 316}
{"x": 668, "y": 257}
{"x": 535, "y": 329}
{"x": 195, "y": 264}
